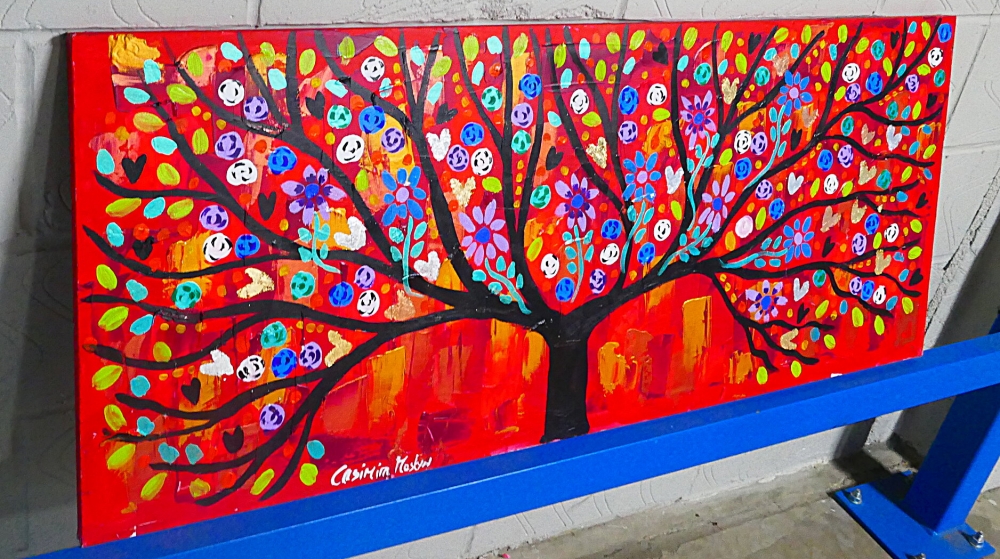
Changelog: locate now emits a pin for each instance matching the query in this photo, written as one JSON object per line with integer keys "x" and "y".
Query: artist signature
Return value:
{"x": 404, "y": 464}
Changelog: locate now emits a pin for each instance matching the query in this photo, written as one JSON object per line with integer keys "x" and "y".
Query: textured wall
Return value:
{"x": 37, "y": 489}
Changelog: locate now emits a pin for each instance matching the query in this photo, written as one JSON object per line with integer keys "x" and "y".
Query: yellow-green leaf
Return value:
{"x": 106, "y": 376}
{"x": 929, "y": 152}
{"x": 842, "y": 33}
{"x": 887, "y": 66}
{"x": 690, "y": 36}
{"x": 761, "y": 375}
{"x": 796, "y": 369}
{"x": 492, "y": 184}
{"x": 591, "y": 119}
{"x": 857, "y": 317}
{"x": 917, "y": 109}
{"x": 307, "y": 61}
{"x": 181, "y": 94}
{"x": 879, "y": 325}
{"x": 153, "y": 486}
{"x": 915, "y": 253}
{"x": 660, "y": 114}
{"x": 741, "y": 63}
{"x": 147, "y": 122}
{"x": 308, "y": 474}
{"x": 675, "y": 209}
{"x": 862, "y": 45}
{"x": 267, "y": 53}
{"x": 161, "y": 352}
{"x": 114, "y": 417}
{"x": 199, "y": 142}
{"x": 262, "y": 482}
{"x": 916, "y": 226}
{"x": 726, "y": 157}
{"x": 814, "y": 189}
{"x": 361, "y": 180}
{"x": 907, "y": 305}
{"x": 840, "y": 93}
{"x": 168, "y": 174}
{"x": 199, "y": 487}
{"x": 560, "y": 55}
{"x": 535, "y": 248}
{"x": 923, "y": 69}
{"x": 877, "y": 241}
{"x": 346, "y": 48}
{"x": 807, "y": 34}
{"x": 470, "y": 47}
{"x": 822, "y": 308}
{"x": 761, "y": 217}
{"x": 106, "y": 277}
{"x": 601, "y": 71}
{"x": 121, "y": 456}
{"x": 123, "y": 207}
{"x": 826, "y": 71}
{"x": 441, "y": 67}
{"x": 910, "y": 46}
{"x": 906, "y": 174}
{"x": 520, "y": 45}
{"x": 847, "y": 188}
{"x": 829, "y": 341}
{"x": 925, "y": 28}
{"x": 637, "y": 38}
{"x": 180, "y": 209}
{"x": 113, "y": 318}
{"x": 613, "y": 42}
{"x": 781, "y": 35}
{"x": 384, "y": 45}
{"x": 194, "y": 64}
{"x": 727, "y": 40}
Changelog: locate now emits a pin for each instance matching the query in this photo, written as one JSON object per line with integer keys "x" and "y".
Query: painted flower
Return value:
{"x": 640, "y": 177}
{"x": 698, "y": 115}
{"x": 577, "y": 205}
{"x": 716, "y": 211}
{"x": 313, "y": 195}
{"x": 794, "y": 93}
{"x": 764, "y": 303}
{"x": 797, "y": 239}
{"x": 482, "y": 239}
{"x": 402, "y": 196}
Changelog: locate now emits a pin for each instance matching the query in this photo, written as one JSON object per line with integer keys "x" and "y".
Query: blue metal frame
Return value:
{"x": 362, "y": 519}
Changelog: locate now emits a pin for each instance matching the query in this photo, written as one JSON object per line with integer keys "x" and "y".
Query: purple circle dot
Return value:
{"x": 214, "y": 218}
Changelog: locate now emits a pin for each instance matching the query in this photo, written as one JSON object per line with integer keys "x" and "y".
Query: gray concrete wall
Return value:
{"x": 37, "y": 471}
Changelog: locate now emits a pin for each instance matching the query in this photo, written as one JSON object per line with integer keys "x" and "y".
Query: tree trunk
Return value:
{"x": 566, "y": 399}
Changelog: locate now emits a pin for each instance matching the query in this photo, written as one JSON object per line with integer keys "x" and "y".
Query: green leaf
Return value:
{"x": 492, "y": 184}
{"x": 123, "y": 207}
{"x": 199, "y": 142}
{"x": 194, "y": 64}
{"x": 520, "y": 45}
{"x": 113, "y": 318}
{"x": 613, "y": 42}
{"x": 560, "y": 55}
{"x": 690, "y": 36}
{"x": 636, "y": 41}
{"x": 106, "y": 277}
{"x": 180, "y": 209}
{"x": 307, "y": 61}
{"x": 441, "y": 67}
{"x": 181, "y": 94}
{"x": 385, "y": 46}
{"x": 361, "y": 180}
{"x": 591, "y": 119}
{"x": 470, "y": 47}
{"x": 106, "y": 376}
{"x": 168, "y": 174}
{"x": 346, "y": 48}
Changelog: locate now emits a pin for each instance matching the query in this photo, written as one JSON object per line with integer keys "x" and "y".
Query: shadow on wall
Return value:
{"x": 37, "y": 435}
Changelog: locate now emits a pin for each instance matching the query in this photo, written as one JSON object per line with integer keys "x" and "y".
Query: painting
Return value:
{"x": 308, "y": 260}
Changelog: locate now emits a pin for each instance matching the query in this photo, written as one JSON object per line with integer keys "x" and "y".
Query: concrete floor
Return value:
{"x": 792, "y": 517}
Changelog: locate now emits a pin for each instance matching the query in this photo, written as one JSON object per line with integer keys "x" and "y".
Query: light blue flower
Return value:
{"x": 640, "y": 177}
{"x": 402, "y": 197}
{"x": 797, "y": 237}
{"x": 793, "y": 93}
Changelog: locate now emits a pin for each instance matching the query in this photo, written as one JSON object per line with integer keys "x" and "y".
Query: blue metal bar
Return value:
{"x": 959, "y": 462}
{"x": 353, "y": 521}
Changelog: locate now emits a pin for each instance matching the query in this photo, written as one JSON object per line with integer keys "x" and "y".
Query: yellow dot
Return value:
{"x": 207, "y": 116}
{"x": 181, "y": 328}
{"x": 311, "y": 327}
{"x": 685, "y": 82}
{"x": 396, "y": 67}
{"x": 221, "y": 290}
{"x": 196, "y": 110}
{"x": 164, "y": 327}
{"x": 221, "y": 124}
{"x": 283, "y": 225}
{"x": 329, "y": 138}
{"x": 299, "y": 325}
{"x": 385, "y": 288}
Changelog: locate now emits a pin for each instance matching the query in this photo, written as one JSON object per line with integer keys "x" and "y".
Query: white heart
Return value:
{"x": 794, "y": 183}
{"x": 893, "y": 137}
{"x": 356, "y": 239}
{"x": 674, "y": 178}
{"x": 429, "y": 268}
{"x": 439, "y": 143}
{"x": 800, "y": 289}
{"x": 220, "y": 366}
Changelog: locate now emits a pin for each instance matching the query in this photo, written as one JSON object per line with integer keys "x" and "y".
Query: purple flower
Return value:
{"x": 764, "y": 303}
{"x": 483, "y": 239}
{"x": 716, "y": 210}
{"x": 793, "y": 93}
{"x": 313, "y": 195}
{"x": 698, "y": 115}
{"x": 402, "y": 197}
{"x": 797, "y": 243}
{"x": 640, "y": 175}
{"x": 577, "y": 206}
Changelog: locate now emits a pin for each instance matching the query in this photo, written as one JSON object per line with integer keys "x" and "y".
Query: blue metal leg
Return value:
{"x": 926, "y": 513}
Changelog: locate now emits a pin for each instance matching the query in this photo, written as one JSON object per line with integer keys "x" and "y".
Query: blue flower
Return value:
{"x": 797, "y": 239}
{"x": 281, "y": 160}
{"x": 402, "y": 197}
{"x": 793, "y": 93}
{"x": 640, "y": 176}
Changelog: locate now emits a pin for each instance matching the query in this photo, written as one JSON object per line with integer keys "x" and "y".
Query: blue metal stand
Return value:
{"x": 927, "y": 520}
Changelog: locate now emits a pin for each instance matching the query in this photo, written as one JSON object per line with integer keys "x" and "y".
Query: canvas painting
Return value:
{"x": 308, "y": 260}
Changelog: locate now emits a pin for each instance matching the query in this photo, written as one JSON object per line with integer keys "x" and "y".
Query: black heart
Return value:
{"x": 445, "y": 114}
{"x": 753, "y": 42}
{"x": 317, "y": 105}
{"x": 922, "y": 201}
{"x": 796, "y": 138}
{"x": 233, "y": 441}
{"x": 660, "y": 55}
{"x": 143, "y": 249}
{"x": 192, "y": 390}
{"x": 133, "y": 168}
{"x": 932, "y": 100}
{"x": 893, "y": 39}
{"x": 266, "y": 203}
{"x": 828, "y": 246}
{"x": 552, "y": 159}
{"x": 803, "y": 311}
{"x": 916, "y": 277}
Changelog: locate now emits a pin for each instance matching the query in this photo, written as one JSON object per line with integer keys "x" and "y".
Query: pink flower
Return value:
{"x": 577, "y": 206}
{"x": 698, "y": 114}
{"x": 312, "y": 196}
{"x": 717, "y": 210}
{"x": 483, "y": 239}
